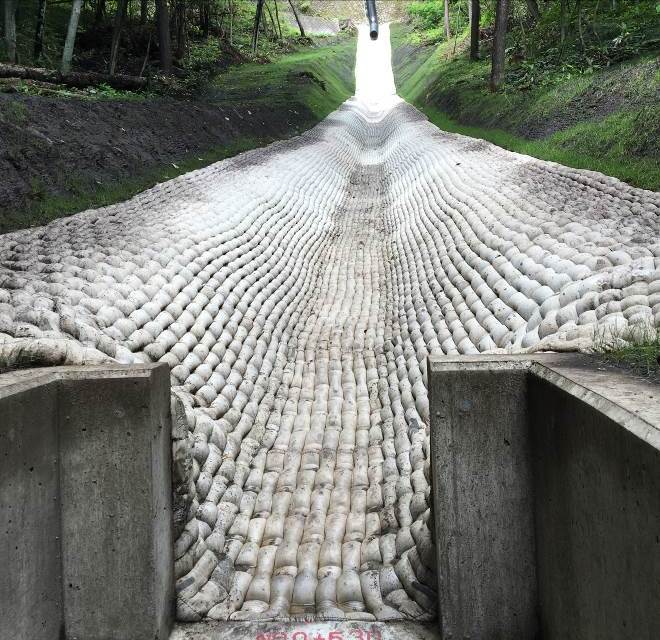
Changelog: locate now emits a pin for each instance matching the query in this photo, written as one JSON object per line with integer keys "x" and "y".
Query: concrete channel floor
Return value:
{"x": 296, "y": 292}
{"x": 306, "y": 631}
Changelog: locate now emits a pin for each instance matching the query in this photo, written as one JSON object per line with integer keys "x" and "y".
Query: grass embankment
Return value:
{"x": 316, "y": 80}
{"x": 607, "y": 120}
{"x": 150, "y": 139}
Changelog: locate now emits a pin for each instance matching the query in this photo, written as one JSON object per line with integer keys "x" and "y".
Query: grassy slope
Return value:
{"x": 318, "y": 79}
{"x": 608, "y": 121}
{"x": 308, "y": 85}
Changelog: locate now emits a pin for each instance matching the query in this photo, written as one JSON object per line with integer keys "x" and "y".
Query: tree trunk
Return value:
{"x": 180, "y": 29}
{"x": 205, "y": 18}
{"x": 231, "y": 23}
{"x": 447, "y": 30}
{"x": 164, "y": 44}
{"x": 562, "y": 21}
{"x": 297, "y": 17}
{"x": 146, "y": 58}
{"x": 475, "y": 19}
{"x": 499, "y": 42}
{"x": 70, "y": 41}
{"x": 257, "y": 24}
{"x": 39, "y": 31}
{"x": 73, "y": 78}
{"x": 272, "y": 20}
{"x": 99, "y": 12}
{"x": 144, "y": 11}
{"x": 277, "y": 17}
{"x": 578, "y": 9}
{"x": 116, "y": 34}
{"x": 534, "y": 11}
{"x": 10, "y": 29}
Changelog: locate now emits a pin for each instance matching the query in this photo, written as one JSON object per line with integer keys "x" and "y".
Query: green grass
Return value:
{"x": 13, "y": 112}
{"x": 619, "y": 137}
{"x": 577, "y": 147}
{"x": 318, "y": 79}
{"x": 637, "y": 351}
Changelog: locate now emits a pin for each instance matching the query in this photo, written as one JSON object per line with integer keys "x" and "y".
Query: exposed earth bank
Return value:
{"x": 64, "y": 152}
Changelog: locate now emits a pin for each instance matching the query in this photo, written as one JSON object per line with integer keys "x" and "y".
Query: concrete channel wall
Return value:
{"x": 546, "y": 482}
{"x": 86, "y": 545}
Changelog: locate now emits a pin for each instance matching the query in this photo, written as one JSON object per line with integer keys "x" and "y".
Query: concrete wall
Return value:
{"x": 597, "y": 490}
{"x": 483, "y": 507}
{"x": 30, "y": 585}
{"x": 85, "y": 504}
{"x": 546, "y": 481}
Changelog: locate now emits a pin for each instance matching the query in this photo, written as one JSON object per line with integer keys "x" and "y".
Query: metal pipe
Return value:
{"x": 372, "y": 16}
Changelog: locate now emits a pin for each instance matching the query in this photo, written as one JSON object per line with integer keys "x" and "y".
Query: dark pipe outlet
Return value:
{"x": 373, "y": 19}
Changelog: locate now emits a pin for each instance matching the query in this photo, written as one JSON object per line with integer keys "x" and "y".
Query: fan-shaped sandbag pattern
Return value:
{"x": 295, "y": 293}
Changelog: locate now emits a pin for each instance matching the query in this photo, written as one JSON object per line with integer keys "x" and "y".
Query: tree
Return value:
{"x": 70, "y": 41}
{"x": 499, "y": 42}
{"x": 205, "y": 17}
{"x": 562, "y": 20}
{"x": 534, "y": 11}
{"x": 116, "y": 34}
{"x": 277, "y": 17}
{"x": 181, "y": 29}
{"x": 297, "y": 17}
{"x": 475, "y": 19}
{"x": 99, "y": 12}
{"x": 10, "y": 29}
{"x": 272, "y": 21}
{"x": 231, "y": 23}
{"x": 164, "y": 44}
{"x": 144, "y": 11}
{"x": 257, "y": 23}
{"x": 447, "y": 30}
{"x": 39, "y": 32}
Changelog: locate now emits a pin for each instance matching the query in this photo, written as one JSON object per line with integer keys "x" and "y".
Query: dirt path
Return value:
{"x": 295, "y": 292}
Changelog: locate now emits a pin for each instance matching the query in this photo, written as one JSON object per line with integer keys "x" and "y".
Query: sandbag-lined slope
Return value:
{"x": 295, "y": 292}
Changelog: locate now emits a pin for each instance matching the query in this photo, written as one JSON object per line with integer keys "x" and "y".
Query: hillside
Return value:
{"x": 605, "y": 117}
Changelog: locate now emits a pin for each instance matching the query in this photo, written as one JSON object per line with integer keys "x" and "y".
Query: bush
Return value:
{"x": 427, "y": 14}
{"x": 599, "y": 36}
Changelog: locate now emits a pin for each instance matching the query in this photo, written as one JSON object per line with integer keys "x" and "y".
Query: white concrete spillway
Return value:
{"x": 295, "y": 292}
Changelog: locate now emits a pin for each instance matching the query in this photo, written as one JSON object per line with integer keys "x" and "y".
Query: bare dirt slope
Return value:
{"x": 52, "y": 147}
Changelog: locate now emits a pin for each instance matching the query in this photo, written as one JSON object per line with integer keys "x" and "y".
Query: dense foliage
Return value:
{"x": 427, "y": 16}
{"x": 550, "y": 36}
{"x": 204, "y": 34}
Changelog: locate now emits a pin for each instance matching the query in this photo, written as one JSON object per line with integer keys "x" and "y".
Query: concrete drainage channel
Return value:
{"x": 546, "y": 477}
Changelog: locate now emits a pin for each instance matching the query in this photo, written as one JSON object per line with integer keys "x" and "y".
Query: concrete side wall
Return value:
{"x": 597, "y": 492}
{"x": 559, "y": 449}
{"x": 102, "y": 545}
{"x": 30, "y": 586}
{"x": 483, "y": 504}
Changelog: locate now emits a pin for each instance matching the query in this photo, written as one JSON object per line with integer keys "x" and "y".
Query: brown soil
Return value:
{"x": 593, "y": 105}
{"x": 53, "y": 146}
